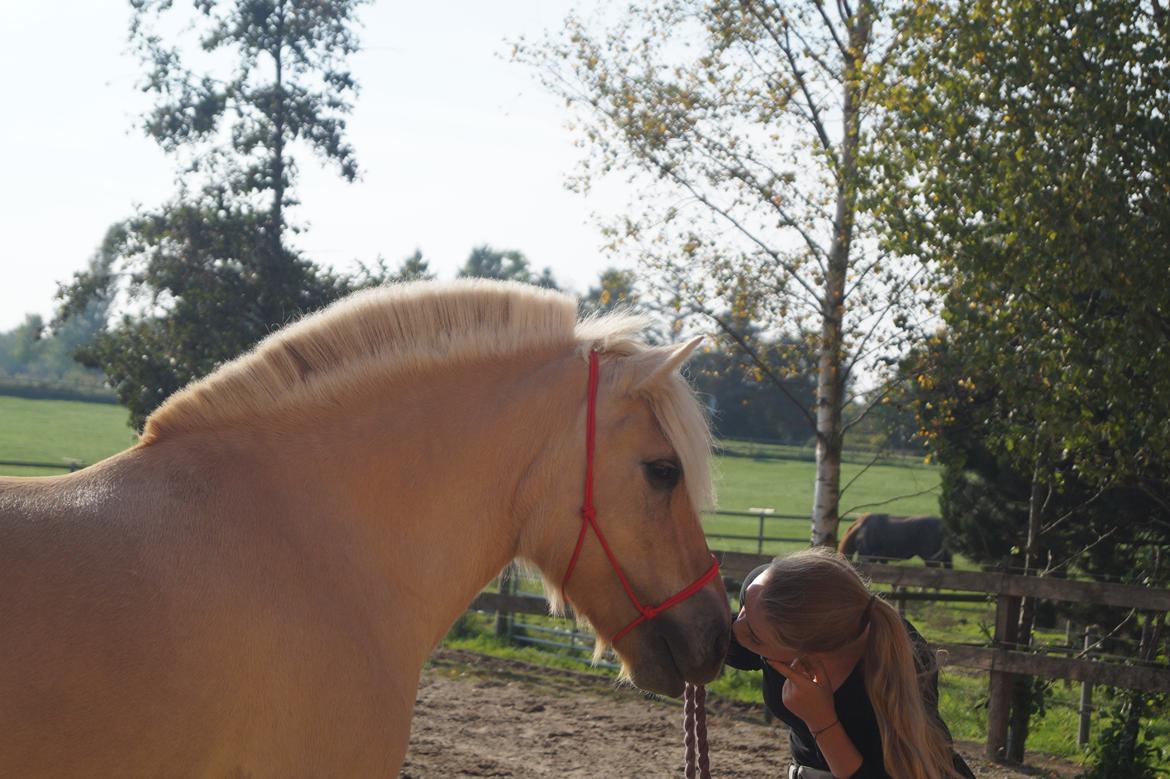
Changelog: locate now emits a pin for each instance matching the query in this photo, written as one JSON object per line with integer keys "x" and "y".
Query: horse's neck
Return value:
{"x": 428, "y": 479}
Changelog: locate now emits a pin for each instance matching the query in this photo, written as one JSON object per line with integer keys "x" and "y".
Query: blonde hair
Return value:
{"x": 816, "y": 601}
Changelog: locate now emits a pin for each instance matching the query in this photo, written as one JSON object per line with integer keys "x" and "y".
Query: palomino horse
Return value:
{"x": 881, "y": 537}
{"x": 253, "y": 589}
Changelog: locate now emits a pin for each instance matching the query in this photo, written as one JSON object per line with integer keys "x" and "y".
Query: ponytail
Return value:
{"x": 914, "y": 745}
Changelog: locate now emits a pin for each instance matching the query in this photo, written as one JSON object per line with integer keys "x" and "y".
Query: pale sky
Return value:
{"x": 457, "y": 146}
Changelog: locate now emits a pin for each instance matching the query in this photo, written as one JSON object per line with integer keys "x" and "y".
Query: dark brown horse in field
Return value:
{"x": 882, "y": 537}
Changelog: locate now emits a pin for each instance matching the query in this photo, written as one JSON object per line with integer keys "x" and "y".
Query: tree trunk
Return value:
{"x": 277, "y": 217}
{"x": 830, "y": 381}
{"x": 1023, "y": 690}
{"x": 1147, "y": 652}
{"x": 276, "y": 293}
{"x": 830, "y": 391}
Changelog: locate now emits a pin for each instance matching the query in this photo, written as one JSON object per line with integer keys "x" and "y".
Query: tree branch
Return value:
{"x": 859, "y": 351}
{"x": 705, "y": 200}
{"x": 785, "y": 46}
{"x": 869, "y": 406}
{"x": 841, "y": 47}
{"x": 888, "y": 501}
{"x": 1059, "y": 520}
{"x": 876, "y": 456}
{"x": 738, "y": 173}
{"x": 758, "y": 361}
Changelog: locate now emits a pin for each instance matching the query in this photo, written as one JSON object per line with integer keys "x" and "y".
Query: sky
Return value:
{"x": 457, "y": 146}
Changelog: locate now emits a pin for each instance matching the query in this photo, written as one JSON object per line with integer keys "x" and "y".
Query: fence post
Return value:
{"x": 507, "y": 587}
{"x": 1086, "y": 708}
{"x": 762, "y": 512}
{"x": 1007, "y": 620}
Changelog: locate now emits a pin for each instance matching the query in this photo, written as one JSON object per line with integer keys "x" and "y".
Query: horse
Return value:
{"x": 254, "y": 587}
{"x": 882, "y": 537}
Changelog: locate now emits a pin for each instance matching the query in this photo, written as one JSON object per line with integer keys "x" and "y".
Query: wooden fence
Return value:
{"x": 1003, "y": 660}
{"x": 68, "y": 465}
{"x": 762, "y": 517}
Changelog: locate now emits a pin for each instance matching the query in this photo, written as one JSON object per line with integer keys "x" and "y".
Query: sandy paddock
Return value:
{"x": 482, "y": 716}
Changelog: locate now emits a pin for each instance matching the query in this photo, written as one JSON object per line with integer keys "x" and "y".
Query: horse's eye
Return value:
{"x": 663, "y": 474}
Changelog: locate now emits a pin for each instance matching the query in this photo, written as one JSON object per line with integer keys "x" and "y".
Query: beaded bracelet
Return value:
{"x": 816, "y": 733}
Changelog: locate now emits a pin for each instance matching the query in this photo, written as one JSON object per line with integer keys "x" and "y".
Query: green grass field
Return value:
{"x": 754, "y": 476}
{"x": 786, "y": 486}
{"x": 59, "y": 431}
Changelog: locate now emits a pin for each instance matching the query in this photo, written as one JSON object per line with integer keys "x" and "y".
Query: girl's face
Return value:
{"x": 752, "y": 630}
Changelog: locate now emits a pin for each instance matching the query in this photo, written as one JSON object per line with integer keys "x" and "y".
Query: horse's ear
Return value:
{"x": 654, "y": 365}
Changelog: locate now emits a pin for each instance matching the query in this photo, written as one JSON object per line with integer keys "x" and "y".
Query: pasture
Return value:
{"x": 787, "y": 485}
{"x": 782, "y": 479}
{"x": 59, "y": 431}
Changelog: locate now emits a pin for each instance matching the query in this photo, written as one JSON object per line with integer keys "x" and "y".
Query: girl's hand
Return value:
{"x": 807, "y": 691}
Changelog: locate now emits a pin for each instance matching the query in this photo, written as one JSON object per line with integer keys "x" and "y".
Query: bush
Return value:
{"x": 1120, "y": 752}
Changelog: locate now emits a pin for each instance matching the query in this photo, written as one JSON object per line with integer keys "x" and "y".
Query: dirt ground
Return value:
{"x": 483, "y": 716}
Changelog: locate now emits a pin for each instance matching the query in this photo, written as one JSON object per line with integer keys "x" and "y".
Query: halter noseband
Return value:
{"x": 589, "y": 520}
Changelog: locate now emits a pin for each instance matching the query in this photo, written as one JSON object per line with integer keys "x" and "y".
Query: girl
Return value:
{"x": 855, "y": 683}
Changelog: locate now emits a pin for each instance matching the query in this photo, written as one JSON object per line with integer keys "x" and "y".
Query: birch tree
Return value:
{"x": 741, "y": 123}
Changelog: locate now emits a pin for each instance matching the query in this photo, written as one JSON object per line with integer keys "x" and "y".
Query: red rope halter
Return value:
{"x": 695, "y": 723}
{"x": 589, "y": 520}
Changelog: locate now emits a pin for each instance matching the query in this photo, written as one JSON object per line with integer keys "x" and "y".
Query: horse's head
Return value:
{"x": 650, "y": 476}
{"x": 851, "y": 541}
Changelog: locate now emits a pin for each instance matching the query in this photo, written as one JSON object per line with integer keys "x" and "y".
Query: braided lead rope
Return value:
{"x": 695, "y": 732}
{"x": 689, "y": 730}
{"x": 701, "y": 731}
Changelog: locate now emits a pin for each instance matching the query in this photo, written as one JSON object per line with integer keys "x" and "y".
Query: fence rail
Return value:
{"x": 1147, "y": 679}
{"x": 65, "y": 466}
{"x": 736, "y": 564}
{"x": 761, "y": 516}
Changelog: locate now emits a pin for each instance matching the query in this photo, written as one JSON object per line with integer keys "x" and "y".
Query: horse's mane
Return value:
{"x": 358, "y": 342}
{"x": 848, "y": 541}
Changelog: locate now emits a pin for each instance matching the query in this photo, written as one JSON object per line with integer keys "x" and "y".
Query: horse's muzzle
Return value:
{"x": 687, "y": 643}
